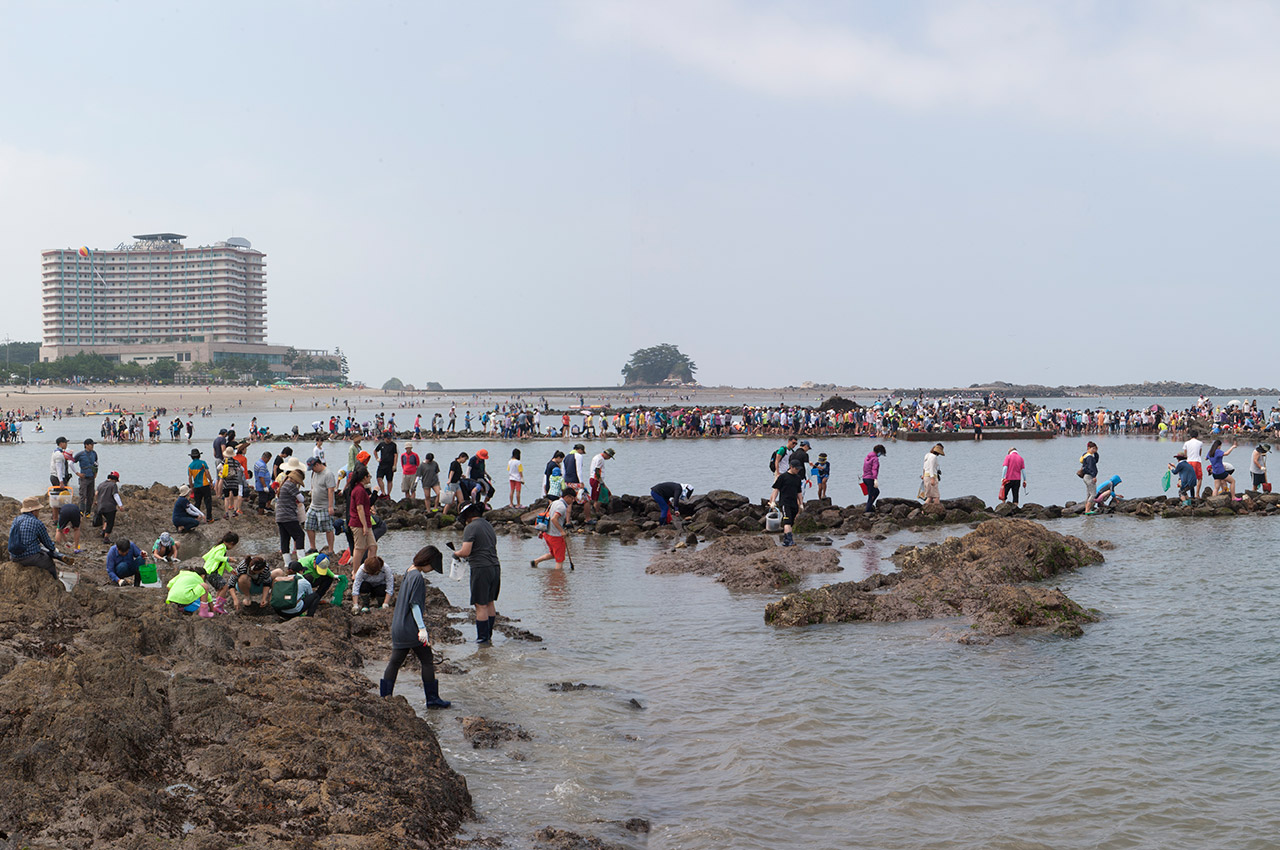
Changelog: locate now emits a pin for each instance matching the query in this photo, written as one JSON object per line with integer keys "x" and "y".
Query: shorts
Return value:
{"x": 595, "y": 490}
{"x": 485, "y": 584}
{"x": 1090, "y": 486}
{"x": 1195, "y": 464}
{"x": 452, "y": 488}
{"x": 556, "y": 545}
{"x": 290, "y": 533}
{"x": 232, "y": 489}
{"x": 409, "y": 484}
{"x": 318, "y": 519}
{"x": 1259, "y": 478}
{"x": 1221, "y": 476}
{"x": 74, "y": 522}
{"x": 789, "y": 512}
{"x": 387, "y": 472}
{"x": 217, "y": 580}
{"x": 362, "y": 538}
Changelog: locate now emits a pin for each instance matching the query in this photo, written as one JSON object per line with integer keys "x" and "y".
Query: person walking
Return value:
{"x": 1013, "y": 476}
{"x": 262, "y": 482}
{"x": 409, "y": 464}
{"x": 201, "y": 482}
{"x": 289, "y": 501}
{"x": 360, "y": 518}
{"x": 480, "y": 548}
{"x": 557, "y": 529}
{"x": 87, "y": 463}
{"x": 1088, "y": 473}
{"x": 786, "y": 496}
{"x": 1223, "y": 480}
{"x": 409, "y": 630}
{"x": 429, "y": 473}
{"x": 930, "y": 475}
{"x": 871, "y": 476}
{"x": 108, "y": 502}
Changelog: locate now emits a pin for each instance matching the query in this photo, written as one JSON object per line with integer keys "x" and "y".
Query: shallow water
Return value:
{"x": 1155, "y": 729}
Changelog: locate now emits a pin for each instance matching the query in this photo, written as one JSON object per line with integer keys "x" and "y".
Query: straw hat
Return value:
{"x": 31, "y": 504}
{"x": 184, "y": 490}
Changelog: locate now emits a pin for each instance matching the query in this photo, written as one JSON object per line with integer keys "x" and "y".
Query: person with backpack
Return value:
{"x": 555, "y": 532}
{"x": 409, "y": 631}
{"x": 233, "y": 478}
{"x": 201, "y": 482}
{"x": 786, "y": 496}
{"x": 291, "y": 593}
{"x": 409, "y": 463}
{"x": 778, "y": 460}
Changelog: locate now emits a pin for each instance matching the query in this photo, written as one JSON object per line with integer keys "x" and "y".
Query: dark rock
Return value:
{"x": 487, "y": 734}
{"x": 856, "y": 544}
{"x": 978, "y": 575}
{"x": 563, "y": 839}
{"x": 563, "y": 687}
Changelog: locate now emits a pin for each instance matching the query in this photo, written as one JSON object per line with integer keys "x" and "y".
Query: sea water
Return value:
{"x": 1155, "y": 729}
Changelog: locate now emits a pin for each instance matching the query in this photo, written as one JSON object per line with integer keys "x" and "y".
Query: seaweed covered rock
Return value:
{"x": 130, "y": 724}
{"x": 748, "y": 562}
{"x": 984, "y": 575}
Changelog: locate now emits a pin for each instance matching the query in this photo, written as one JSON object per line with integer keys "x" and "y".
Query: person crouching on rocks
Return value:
{"x": 29, "y": 541}
{"x": 190, "y": 592}
{"x": 253, "y": 579}
{"x": 186, "y": 516}
{"x": 218, "y": 569}
{"x": 668, "y": 495}
{"x": 373, "y": 585}
{"x": 124, "y": 561}
{"x": 930, "y": 475}
{"x": 409, "y": 631}
{"x": 1186, "y": 478}
{"x": 786, "y": 495}
{"x": 291, "y": 593}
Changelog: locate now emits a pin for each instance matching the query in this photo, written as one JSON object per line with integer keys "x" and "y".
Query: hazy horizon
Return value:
{"x": 860, "y": 194}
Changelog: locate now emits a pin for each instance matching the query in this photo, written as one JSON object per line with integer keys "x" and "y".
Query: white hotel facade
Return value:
{"x": 154, "y": 299}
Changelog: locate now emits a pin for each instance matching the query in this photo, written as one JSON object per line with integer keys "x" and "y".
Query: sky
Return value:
{"x": 510, "y": 194}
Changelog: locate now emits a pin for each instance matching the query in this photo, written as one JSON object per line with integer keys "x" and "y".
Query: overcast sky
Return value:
{"x": 868, "y": 193}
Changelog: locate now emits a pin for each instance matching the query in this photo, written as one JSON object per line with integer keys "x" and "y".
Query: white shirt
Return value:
{"x": 58, "y": 464}
{"x": 514, "y": 472}
{"x": 597, "y": 462}
{"x": 931, "y": 464}
{"x": 1193, "y": 448}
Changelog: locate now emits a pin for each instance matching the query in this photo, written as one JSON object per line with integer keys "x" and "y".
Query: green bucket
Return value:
{"x": 339, "y": 589}
{"x": 147, "y": 573}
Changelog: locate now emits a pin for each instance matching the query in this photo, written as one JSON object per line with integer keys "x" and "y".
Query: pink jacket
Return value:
{"x": 871, "y": 466}
{"x": 1014, "y": 466}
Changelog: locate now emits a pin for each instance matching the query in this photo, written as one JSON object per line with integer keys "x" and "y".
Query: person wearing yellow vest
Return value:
{"x": 219, "y": 571}
{"x": 189, "y": 590}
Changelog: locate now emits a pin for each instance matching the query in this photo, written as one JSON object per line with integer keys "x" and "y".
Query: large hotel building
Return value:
{"x": 154, "y": 299}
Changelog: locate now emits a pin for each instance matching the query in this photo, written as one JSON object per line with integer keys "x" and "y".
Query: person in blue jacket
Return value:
{"x": 124, "y": 560}
{"x": 1186, "y": 477}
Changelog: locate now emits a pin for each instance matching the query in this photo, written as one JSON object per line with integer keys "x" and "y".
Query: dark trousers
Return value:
{"x": 1011, "y": 489}
{"x": 130, "y": 571}
{"x": 309, "y": 604}
{"x": 107, "y": 519}
{"x": 203, "y": 496}
{"x": 424, "y": 658}
{"x": 264, "y": 498}
{"x": 40, "y": 559}
{"x": 873, "y": 493}
{"x": 186, "y": 523}
{"x": 87, "y": 487}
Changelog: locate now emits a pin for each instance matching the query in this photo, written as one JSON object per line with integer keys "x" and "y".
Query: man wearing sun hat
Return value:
{"x": 29, "y": 541}
{"x": 597, "y": 474}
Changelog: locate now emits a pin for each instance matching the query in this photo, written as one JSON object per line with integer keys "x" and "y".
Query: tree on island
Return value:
{"x": 655, "y": 364}
{"x": 393, "y": 384}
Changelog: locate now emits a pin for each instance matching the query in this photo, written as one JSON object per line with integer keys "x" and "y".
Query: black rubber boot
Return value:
{"x": 385, "y": 688}
{"x": 432, "y": 690}
{"x": 484, "y": 630}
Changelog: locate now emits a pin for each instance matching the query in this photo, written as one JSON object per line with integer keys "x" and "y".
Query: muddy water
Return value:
{"x": 1156, "y": 729}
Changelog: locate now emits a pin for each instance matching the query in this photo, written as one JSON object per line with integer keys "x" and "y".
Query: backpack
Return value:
{"x": 227, "y": 472}
{"x": 773, "y": 458}
{"x": 284, "y": 592}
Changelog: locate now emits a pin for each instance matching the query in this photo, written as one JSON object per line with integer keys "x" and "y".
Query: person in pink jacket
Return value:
{"x": 870, "y": 474}
{"x": 1014, "y": 476}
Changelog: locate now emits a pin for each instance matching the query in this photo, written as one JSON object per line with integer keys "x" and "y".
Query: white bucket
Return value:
{"x": 773, "y": 521}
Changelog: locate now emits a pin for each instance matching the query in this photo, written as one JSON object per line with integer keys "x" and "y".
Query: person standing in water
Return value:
{"x": 480, "y": 548}
{"x": 409, "y": 631}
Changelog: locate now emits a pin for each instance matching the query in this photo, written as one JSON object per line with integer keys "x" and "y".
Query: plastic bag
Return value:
{"x": 456, "y": 570}
{"x": 1167, "y": 481}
